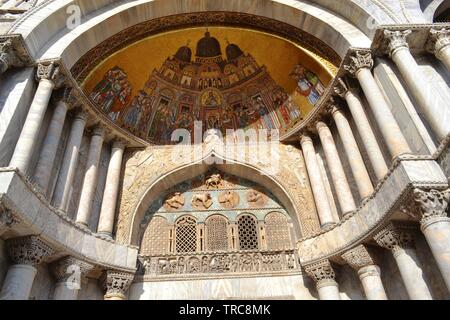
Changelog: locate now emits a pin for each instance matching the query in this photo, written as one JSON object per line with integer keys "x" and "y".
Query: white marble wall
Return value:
{"x": 17, "y": 87}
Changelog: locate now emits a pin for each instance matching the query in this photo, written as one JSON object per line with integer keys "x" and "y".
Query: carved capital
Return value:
{"x": 358, "y": 257}
{"x": 438, "y": 40}
{"x": 98, "y": 131}
{"x": 394, "y": 238}
{"x": 8, "y": 57}
{"x": 394, "y": 40}
{"x": 116, "y": 284}
{"x": 341, "y": 88}
{"x": 305, "y": 138}
{"x": 119, "y": 143}
{"x": 50, "y": 72}
{"x": 359, "y": 60}
{"x": 429, "y": 206}
{"x": 332, "y": 106}
{"x": 7, "y": 218}
{"x": 320, "y": 271}
{"x": 28, "y": 250}
{"x": 70, "y": 269}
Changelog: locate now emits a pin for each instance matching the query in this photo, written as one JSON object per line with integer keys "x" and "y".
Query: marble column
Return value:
{"x": 69, "y": 162}
{"x": 359, "y": 259}
{"x": 50, "y": 146}
{"x": 430, "y": 208}
{"x": 116, "y": 284}
{"x": 341, "y": 186}
{"x": 90, "y": 177}
{"x": 109, "y": 202}
{"x": 68, "y": 272}
{"x": 433, "y": 107}
{"x": 25, "y": 253}
{"x": 362, "y": 179}
{"x": 364, "y": 128}
{"x": 360, "y": 66}
{"x": 23, "y": 151}
{"x": 323, "y": 275}
{"x": 439, "y": 44}
{"x": 400, "y": 243}
{"x": 317, "y": 186}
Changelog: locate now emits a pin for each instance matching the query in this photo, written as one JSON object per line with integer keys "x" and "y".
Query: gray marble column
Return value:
{"x": 50, "y": 146}
{"x": 364, "y": 128}
{"x": 323, "y": 275}
{"x": 90, "y": 177}
{"x": 439, "y": 44}
{"x": 23, "y": 151}
{"x": 25, "y": 253}
{"x": 400, "y": 243}
{"x": 341, "y": 186}
{"x": 317, "y": 186}
{"x": 369, "y": 273}
{"x": 430, "y": 208}
{"x": 109, "y": 202}
{"x": 433, "y": 107}
{"x": 362, "y": 179}
{"x": 68, "y": 272}
{"x": 116, "y": 284}
{"x": 360, "y": 66}
{"x": 69, "y": 162}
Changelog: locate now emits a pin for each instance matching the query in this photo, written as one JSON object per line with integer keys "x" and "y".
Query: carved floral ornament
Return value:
{"x": 52, "y": 72}
{"x": 394, "y": 238}
{"x": 320, "y": 271}
{"x": 428, "y": 206}
{"x": 7, "y": 218}
{"x": 438, "y": 40}
{"x": 116, "y": 283}
{"x": 394, "y": 40}
{"x": 358, "y": 257}
{"x": 358, "y": 60}
{"x": 28, "y": 250}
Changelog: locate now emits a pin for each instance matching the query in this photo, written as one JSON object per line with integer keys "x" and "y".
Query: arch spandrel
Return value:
{"x": 149, "y": 173}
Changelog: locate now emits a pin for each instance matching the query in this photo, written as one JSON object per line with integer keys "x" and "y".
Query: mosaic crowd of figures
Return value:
{"x": 231, "y": 93}
{"x": 230, "y": 262}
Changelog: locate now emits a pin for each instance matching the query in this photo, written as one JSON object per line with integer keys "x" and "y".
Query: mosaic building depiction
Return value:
{"x": 116, "y": 184}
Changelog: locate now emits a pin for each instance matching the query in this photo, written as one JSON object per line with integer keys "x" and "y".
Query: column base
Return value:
{"x": 114, "y": 296}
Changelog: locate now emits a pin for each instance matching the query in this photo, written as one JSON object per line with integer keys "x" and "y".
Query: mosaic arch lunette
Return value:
{"x": 209, "y": 79}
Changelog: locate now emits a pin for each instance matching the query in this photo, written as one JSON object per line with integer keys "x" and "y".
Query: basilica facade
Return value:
{"x": 212, "y": 149}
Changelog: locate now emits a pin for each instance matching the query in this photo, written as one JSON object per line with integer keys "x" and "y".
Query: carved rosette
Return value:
{"x": 430, "y": 206}
{"x": 28, "y": 250}
{"x": 358, "y": 60}
{"x": 116, "y": 284}
{"x": 322, "y": 273}
{"x": 358, "y": 257}
{"x": 394, "y": 238}
{"x": 69, "y": 268}
{"x": 438, "y": 40}
{"x": 394, "y": 40}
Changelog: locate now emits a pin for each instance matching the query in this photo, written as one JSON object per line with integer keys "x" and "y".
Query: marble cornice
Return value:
{"x": 35, "y": 216}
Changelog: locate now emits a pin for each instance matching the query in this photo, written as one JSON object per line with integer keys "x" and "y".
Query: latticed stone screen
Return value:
{"x": 277, "y": 232}
{"x": 186, "y": 235}
{"x": 156, "y": 237}
{"x": 248, "y": 233}
{"x": 217, "y": 233}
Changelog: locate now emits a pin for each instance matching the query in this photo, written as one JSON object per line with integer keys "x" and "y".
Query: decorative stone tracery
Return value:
{"x": 28, "y": 250}
{"x": 116, "y": 284}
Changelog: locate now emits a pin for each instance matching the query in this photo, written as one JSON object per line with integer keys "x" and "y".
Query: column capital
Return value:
{"x": 428, "y": 206}
{"x": 28, "y": 250}
{"x": 7, "y": 217}
{"x": 305, "y": 137}
{"x": 79, "y": 114}
{"x": 119, "y": 143}
{"x": 394, "y": 238}
{"x": 341, "y": 88}
{"x": 332, "y": 106}
{"x": 116, "y": 283}
{"x": 358, "y": 257}
{"x": 98, "y": 131}
{"x": 320, "y": 125}
{"x": 394, "y": 40}
{"x": 358, "y": 60}
{"x": 438, "y": 39}
{"x": 321, "y": 272}
{"x": 8, "y": 57}
{"x": 68, "y": 267}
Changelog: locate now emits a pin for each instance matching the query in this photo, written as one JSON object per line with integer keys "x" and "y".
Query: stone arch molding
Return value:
{"x": 47, "y": 36}
{"x": 158, "y": 174}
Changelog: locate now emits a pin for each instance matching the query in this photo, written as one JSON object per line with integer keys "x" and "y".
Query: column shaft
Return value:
{"x": 371, "y": 282}
{"x": 18, "y": 282}
{"x": 25, "y": 145}
{"x": 437, "y": 234}
{"x": 435, "y": 110}
{"x": 444, "y": 56}
{"x": 355, "y": 159}
{"x": 328, "y": 290}
{"x": 412, "y": 274}
{"x": 63, "y": 291}
{"x": 70, "y": 162}
{"x": 107, "y": 212}
{"x": 50, "y": 146}
{"x": 385, "y": 119}
{"x": 90, "y": 177}
{"x": 341, "y": 186}
{"x": 367, "y": 136}
{"x": 320, "y": 195}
